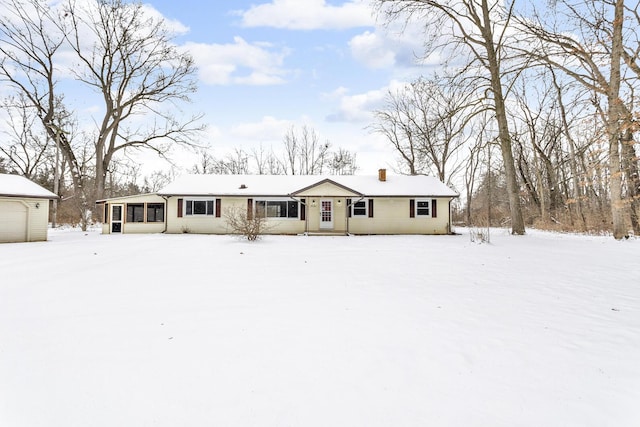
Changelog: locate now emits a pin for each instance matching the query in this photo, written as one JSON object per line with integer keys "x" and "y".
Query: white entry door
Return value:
{"x": 326, "y": 214}
{"x": 116, "y": 218}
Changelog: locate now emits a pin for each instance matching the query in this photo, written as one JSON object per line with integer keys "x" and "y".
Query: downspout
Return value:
{"x": 348, "y": 206}
{"x": 449, "y": 221}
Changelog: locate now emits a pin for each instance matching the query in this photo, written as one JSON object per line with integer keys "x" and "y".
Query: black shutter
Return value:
{"x": 349, "y": 208}
{"x": 370, "y": 208}
{"x": 303, "y": 209}
{"x": 412, "y": 208}
{"x": 249, "y": 208}
{"x": 179, "y": 208}
{"x": 218, "y": 206}
{"x": 434, "y": 208}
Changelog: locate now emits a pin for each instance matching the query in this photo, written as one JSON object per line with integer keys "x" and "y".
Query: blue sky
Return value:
{"x": 267, "y": 65}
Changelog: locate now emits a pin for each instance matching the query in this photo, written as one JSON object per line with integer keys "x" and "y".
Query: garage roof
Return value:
{"x": 19, "y": 186}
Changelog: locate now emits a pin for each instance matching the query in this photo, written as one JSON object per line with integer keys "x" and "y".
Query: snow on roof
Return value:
{"x": 19, "y": 186}
{"x": 281, "y": 185}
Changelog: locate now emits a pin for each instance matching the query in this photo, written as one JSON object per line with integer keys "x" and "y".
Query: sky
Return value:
{"x": 198, "y": 330}
{"x": 266, "y": 66}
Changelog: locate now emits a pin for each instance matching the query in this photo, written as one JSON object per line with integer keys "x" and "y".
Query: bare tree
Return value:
{"x": 304, "y": 154}
{"x": 427, "y": 124}
{"x": 479, "y": 30}
{"x": 234, "y": 163}
{"x": 121, "y": 54}
{"x": 266, "y": 162}
{"x": 157, "y": 180}
{"x": 26, "y": 145}
{"x": 593, "y": 55}
{"x": 392, "y": 122}
{"x": 342, "y": 162}
{"x": 137, "y": 71}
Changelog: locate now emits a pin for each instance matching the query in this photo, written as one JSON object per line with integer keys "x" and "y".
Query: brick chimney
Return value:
{"x": 382, "y": 174}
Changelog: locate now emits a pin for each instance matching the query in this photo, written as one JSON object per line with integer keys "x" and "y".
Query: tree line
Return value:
{"x": 532, "y": 116}
{"x": 553, "y": 92}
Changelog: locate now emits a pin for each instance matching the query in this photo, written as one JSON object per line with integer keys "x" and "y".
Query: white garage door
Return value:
{"x": 13, "y": 222}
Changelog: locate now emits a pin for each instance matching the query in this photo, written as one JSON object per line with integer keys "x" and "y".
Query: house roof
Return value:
{"x": 19, "y": 186}
{"x": 284, "y": 185}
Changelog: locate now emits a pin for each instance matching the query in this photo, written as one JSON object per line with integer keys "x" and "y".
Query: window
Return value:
{"x": 135, "y": 212}
{"x": 359, "y": 208}
{"x": 422, "y": 207}
{"x": 199, "y": 207}
{"x": 155, "y": 212}
{"x": 277, "y": 208}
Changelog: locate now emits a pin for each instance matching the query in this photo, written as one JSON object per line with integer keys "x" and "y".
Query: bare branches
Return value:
{"x": 478, "y": 27}
{"x": 112, "y": 49}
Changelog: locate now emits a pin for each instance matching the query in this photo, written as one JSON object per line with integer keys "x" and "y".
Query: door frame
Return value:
{"x": 326, "y": 225}
{"x": 118, "y": 223}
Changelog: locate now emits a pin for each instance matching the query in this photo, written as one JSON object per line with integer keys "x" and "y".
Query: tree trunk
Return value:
{"x": 630, "y": 165}
{"x": 517, "y": 220}
{"x": 613, "y": 126}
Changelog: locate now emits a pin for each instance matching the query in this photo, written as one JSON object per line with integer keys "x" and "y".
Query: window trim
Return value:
{"x": 257, "y": 202}
{"x": 189, "y": 212}
{"x": 366, "y": 208}
{"x": 133, "y": 207}
{"x": 417, "y": 208}
{"x": 154, "y": 209}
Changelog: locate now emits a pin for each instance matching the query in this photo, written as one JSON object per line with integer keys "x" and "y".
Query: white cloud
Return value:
{"x": 372, "y": 50}
{"x": 239, "y": 62}
{"x": 359, "y": 107}
{"x": 174, "y": 26}
{"x": 268, "y": 129}
{"x": 308, "y": 15}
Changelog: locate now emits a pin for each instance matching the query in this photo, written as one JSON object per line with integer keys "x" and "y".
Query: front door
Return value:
{"x": 326, "y": 214}
{"x": 116, "y": 218}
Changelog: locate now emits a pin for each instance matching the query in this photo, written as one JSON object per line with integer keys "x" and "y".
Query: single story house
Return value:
{"x": 24, "y": 209}
{"x": 291, "y": 204}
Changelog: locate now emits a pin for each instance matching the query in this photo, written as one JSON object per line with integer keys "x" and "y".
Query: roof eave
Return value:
{"x": 30, "y": 196}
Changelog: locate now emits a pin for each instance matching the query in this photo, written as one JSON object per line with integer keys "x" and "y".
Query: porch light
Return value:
{"x": 339, "y": 202}
{"x": 38, "y": 205}
{"x": 313, "y": 202}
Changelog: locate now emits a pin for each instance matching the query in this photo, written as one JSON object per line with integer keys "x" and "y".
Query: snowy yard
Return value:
{"x": 193, "y": 330}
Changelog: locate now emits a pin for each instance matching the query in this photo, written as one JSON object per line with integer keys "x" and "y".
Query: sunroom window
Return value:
{"x": 155, "y": 212}
{"x": 135, "y": 212}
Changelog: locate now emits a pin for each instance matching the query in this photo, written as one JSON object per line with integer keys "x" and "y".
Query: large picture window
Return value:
{"x": 277, "y": 208}
{"x": 135, "y": 212}
{"x": 199, "y": 207}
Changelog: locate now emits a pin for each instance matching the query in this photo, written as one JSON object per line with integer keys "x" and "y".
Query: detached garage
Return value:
{"x": 24, "y": 210}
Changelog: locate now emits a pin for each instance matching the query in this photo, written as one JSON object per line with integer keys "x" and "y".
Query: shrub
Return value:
{"x": 243, "y": 223}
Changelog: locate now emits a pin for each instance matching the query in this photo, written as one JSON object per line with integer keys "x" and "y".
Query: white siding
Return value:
{"x": 391, "y": 216}
{"x": 23, "y": 219}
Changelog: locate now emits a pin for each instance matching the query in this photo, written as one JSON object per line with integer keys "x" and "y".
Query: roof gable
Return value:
{"x": 337, "y": 189}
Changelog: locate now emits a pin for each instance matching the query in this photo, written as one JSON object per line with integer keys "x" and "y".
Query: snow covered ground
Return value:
{"x": 192, "y": 330}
